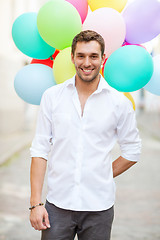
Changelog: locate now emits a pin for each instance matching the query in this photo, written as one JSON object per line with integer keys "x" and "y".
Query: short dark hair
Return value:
{"x": 87, "y": 36}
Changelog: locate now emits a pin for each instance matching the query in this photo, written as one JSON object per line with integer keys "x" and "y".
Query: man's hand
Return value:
{"x": 120, "y": 165}
{"x": 39, "y": 218}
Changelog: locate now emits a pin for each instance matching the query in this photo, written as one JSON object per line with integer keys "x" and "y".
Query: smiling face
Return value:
{"x": 88, "y": 59}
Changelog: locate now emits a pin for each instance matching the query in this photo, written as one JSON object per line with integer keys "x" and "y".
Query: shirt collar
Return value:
{"x": 71, "y": 82}
{"x": 103, "y": 85}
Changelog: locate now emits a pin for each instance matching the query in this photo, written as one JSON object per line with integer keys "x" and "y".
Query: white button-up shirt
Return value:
{"x": 80, "y": 173}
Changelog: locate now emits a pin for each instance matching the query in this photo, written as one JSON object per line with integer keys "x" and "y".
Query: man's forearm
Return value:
{"x": 38, "y": 216}
{"x": 120, "y": 165}
{"x": 37, "y": 173}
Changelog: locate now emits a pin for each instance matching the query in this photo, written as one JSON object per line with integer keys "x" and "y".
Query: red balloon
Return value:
{"x": 126, "y": 43}
{"x": 48, "y": 62}
{"x": 104, "y": 66}
{"x": 55, "y": 54}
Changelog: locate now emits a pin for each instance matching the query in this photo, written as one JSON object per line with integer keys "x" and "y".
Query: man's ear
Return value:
{"x": 103, "y": 58}
{"x": 72, "y": 58}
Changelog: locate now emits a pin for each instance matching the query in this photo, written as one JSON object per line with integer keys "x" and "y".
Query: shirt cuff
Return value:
{"x": 40, "y": 155}
{"x": 41, "y": 146}
{"x": 131, "y": 157}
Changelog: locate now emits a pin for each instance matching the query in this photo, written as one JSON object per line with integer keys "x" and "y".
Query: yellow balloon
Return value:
{"x": 63, "y": 68}
{"x": 129, "y": 96}
{"x": 116, "y": 4}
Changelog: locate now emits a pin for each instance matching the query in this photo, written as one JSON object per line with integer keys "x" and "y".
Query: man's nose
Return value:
{"x": 87, "y": 62}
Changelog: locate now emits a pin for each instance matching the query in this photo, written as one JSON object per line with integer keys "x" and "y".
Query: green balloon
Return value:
{"x": 58, "y": 22}
{"x": 129, "y": 68}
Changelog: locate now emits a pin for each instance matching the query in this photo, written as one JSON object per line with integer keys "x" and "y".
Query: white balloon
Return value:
{"x": 153, "y": 85}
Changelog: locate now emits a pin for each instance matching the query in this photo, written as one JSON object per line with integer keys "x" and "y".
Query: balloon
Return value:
{"x": 31, "y": 82}
{"x": 55, "y": 54}
{"x": 153, "y": 85}
{"x": 48, "y": 62}
{"x": 129, "y": 68}
{"x": 126, "y": 44}
{"x": 81, "y": 6}
{"x": 58, "y": 22}
{"x": 142, "y": 18}
{"x": 129, "y": 96}
{"x": 116, "y": 4}
{"x": 110, "y": 24}
{"x": 101, "y": 72}
{"x": 63, "y": 67}
{"x": 104, "y": 66}
{"x": 27, "y": 38}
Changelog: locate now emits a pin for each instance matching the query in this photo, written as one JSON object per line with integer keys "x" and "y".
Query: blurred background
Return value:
{"x": 17, "y": 125}
{"x": 16, "y": 116}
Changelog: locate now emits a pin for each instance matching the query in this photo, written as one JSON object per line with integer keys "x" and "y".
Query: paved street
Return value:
{"x": 137, "y": 208}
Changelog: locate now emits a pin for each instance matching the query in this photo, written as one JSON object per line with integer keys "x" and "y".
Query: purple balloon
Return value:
{"x": 142, "y": 18}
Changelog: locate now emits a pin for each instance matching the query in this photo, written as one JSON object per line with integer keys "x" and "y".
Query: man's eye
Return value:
{"x": 94, "y": 57}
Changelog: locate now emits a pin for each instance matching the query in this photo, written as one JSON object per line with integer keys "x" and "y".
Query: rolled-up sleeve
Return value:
{"x": 127, "y": 132}
{"x": 41, "y": 143}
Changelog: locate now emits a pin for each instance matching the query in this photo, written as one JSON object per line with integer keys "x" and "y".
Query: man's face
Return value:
{"x": 88, "y": 60}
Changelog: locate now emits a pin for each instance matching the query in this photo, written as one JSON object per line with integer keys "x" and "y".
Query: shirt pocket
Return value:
{"x": 62, "y": 125}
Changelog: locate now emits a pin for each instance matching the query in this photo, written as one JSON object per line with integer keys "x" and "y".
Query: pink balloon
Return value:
{"x": 81, "y": 6}
{"x": 110, "y": 24}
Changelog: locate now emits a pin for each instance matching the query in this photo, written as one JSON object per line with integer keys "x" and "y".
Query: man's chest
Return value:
{"x": 98, "y": 117}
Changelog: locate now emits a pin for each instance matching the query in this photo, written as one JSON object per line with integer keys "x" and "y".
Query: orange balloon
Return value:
{"x": 101, "y": 72}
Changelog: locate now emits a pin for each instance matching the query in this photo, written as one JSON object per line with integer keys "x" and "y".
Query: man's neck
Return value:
{"x": 86, "y": 88}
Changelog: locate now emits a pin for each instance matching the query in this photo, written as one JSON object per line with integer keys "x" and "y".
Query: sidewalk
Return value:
{"x": 13, "y": 143}
{"x": 149, "y": 123}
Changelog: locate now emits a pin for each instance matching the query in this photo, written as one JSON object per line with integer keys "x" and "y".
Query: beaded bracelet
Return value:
{"x": 40, "y": 204}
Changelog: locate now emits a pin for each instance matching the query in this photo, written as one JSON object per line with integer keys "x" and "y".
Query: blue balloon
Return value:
{"x": 153, "y": 85}
{"x": 129, "y": 68}
{"x": 27, "y": 38}
{"x": 31, "y": 82}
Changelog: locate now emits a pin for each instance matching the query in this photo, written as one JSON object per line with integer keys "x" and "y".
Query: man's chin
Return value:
{"x": 88, "y": 78}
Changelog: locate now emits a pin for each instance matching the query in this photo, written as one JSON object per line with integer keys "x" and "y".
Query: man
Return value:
{"x": 80, "y": 120}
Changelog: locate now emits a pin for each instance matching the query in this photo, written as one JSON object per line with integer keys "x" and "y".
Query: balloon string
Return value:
{"x": 51, "y": 57}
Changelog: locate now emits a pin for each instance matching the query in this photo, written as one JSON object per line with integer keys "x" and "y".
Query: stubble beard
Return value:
{"x": 88, "y": 80}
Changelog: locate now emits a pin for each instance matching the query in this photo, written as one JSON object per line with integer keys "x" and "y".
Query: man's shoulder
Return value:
{"x": 118, "y": 98}
{"x": 113, "y": 92}
{"x": 56, "y": 88}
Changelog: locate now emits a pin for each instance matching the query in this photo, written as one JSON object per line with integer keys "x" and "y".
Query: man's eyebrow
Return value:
{"x": 96, "y": 54}
{"x": 81, "y": 53}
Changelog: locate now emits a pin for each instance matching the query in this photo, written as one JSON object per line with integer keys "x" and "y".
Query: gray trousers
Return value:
{"x": 65, "y": 224}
